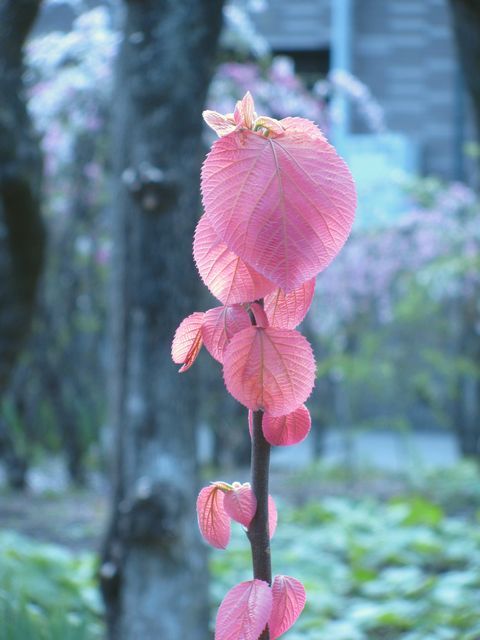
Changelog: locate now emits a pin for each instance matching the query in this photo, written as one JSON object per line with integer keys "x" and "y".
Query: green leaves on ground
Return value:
{"x": 47, "y": 592}
{"x": 396, "y": 571}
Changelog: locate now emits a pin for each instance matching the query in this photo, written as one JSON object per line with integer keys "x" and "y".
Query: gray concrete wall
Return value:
{"x": 404, "y": 51}
{"x": 303, "y": 24}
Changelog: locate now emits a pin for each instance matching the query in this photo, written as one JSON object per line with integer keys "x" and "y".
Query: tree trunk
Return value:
{"x": 22, "y": 235}
{"x": 154, "y": 575}
{"x": 466, "y": 25}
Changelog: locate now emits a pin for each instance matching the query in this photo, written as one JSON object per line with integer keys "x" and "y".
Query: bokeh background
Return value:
{"x": 380, "y": 506}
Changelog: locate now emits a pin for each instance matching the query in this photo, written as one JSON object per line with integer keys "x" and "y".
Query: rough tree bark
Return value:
{"x": 22, "y": 233}
{"x": 154, "y": 576}
{"x": 466, "y": 25}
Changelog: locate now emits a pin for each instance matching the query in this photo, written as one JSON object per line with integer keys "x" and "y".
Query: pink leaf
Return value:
{"x": 286, "y": 430}
{"x": 284, "y": 204}
{"x": 244, "y": 612}
{"x": 287, "y": 310}
{"x": 272, "y": 516}
{"x": 240, "y": 503}
{"x": 288, "y": 602}
{"x": 270, "y": 369}
{"x": 213, "y": 521}
{"x": 229, "y": 278}
{"x": 244, "y": 113}
{"x": 301, "y": 125}
{"x": 187, "y": 341}
{"x": 273, "y": 126}
{"x": 222, "y": 125}
{"x": 220, "y": 325}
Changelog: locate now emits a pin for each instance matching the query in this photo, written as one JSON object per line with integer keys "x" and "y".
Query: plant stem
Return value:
{"x": 258, "y": 532}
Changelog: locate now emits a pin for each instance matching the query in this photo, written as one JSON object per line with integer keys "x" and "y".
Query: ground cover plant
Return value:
{"x": 399, "y": 570}
{"x": 403, "y": 568}
{"x": 47, "y": 592}
{"x": 279, "y": 205}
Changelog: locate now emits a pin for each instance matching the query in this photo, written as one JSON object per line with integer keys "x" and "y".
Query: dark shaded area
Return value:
{"x": 22, "y": 234}
{"x": 466, "y": 26}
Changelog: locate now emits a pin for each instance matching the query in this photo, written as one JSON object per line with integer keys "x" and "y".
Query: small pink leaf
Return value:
{"x": 229, "y": 278}
{"x": 213, "y": 521}
{"x": 222, "y": 125}
{"x": 273, "y": 126}
{"x": 244, "y": 113}
{"x": 187, "y": 341}
{"x": 270, "y": 369}
{"x": 287, "y": 310}
{"x": 286, "y": 430}
{"x": 272, "y": 516}
{"x": 288, "y": 602}
{"x": 240, "y": 504}
{"x": 220, "y": 325}
{"x": 244, "y": 612}
{"x": 284, "y": 204}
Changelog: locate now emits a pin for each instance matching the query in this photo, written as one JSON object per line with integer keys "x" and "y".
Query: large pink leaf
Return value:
{"x": 288, "y": 602}
{"x": 287, "y": 310}
{"x": 213, "y": 521}
{"x": 284, "y": 204}
{"x": 220, "y": 325}
{"x": 240, "y": 503}
{"x": 228, "y": 277}
{"x": 286, "y": 430}
{"x": 187, "y": 341}
{"x": 270, "y": 369}
{"x": 244, "y": 612}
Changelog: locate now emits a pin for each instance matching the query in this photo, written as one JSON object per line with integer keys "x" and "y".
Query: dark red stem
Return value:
{"x": 258, "y": 532}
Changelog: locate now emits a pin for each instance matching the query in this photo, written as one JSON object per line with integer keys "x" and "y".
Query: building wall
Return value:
{"x": 303, "y": 24}
{"x": 403, "y": 50}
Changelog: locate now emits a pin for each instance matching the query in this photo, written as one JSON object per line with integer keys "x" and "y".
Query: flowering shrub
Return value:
{"x": 397, "y": 317}
{"x": 279, "y": 205}
{"x": 278, "y": 89}
{"x": 436, "y": 244}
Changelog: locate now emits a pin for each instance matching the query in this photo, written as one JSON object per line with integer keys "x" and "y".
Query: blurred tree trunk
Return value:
{"x": 466, "y": 406}
{"x": 466, "y": 25}
{"x": 154, "y": 575}
{"x": 22, "y": 234}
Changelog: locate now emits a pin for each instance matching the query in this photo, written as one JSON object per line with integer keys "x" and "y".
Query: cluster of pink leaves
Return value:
{"x": 279, "y": 205}
{"x": 250, "y": 606}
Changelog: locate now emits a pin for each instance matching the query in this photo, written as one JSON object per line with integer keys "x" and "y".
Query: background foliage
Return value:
{"x": 406, "y": 567}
